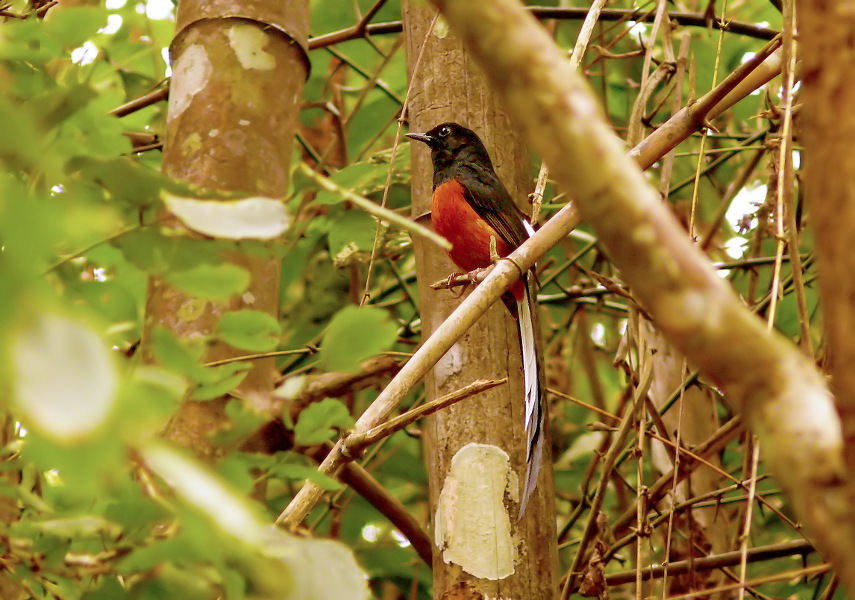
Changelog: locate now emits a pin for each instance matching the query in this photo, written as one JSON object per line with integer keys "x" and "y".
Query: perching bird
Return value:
{"x": 470, "y": 206}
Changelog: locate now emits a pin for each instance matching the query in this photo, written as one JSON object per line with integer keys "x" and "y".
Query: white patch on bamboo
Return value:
{"x": 190, "y": 74}
{"x": 473, "y": 527}
{"x": 450, "y": 365}
{"x": 248, "y": 42}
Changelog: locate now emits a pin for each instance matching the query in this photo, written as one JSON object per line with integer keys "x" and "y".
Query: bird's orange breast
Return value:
{"x": 454, "y": 219}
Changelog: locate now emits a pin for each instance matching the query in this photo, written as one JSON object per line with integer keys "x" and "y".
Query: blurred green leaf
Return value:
{"x": 127, "y": 180}
{"x": 184, "y": 358}
{"x": 83, "y": 472}
{"x": 356, "y": 178}
{"x": 157, "y": 253}
{"x": 356, "y": 334}
{"x": 251, "y": 330}
{"x": 221, "y": 380}
{"x": 215, "y": 282}
{"x": 73, "y": 25}
{"x": 319, "y": 421}
{"x": 76, "y": 527}
{"x": 353, "y": 230}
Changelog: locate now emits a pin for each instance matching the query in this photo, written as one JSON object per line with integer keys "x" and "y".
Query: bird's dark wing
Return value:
{"x": 491, "y": 200}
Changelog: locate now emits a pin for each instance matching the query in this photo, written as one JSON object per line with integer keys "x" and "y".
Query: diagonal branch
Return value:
{"x": 765, "y": 65}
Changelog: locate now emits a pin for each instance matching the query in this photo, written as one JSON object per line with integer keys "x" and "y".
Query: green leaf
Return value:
{"x": 184, "y": 358}
{"x": 216, "y": 282}
{"x": 297, "y": 472}
{"x": 356, "y": 334}
{"x": 73, "y": 25}
{"x": 354, "y": 178}
{"x": 352, "y": 230}
{"x": 25, "y": 40}
{"x": 222, "y": 379}
{"x": 127, "y": 180}
{"x": 181, "y": 358}
{"x": 156, "y": 253}
{"x": 77, "y": 394}
{"x": 318, "y": 422}
{"x": 243, "y": 420}
{"x": 134, "y": 511}
{"x": 71, "y": 101}
{"x": 86, "y": 470}
{"x": 251, "y": 330}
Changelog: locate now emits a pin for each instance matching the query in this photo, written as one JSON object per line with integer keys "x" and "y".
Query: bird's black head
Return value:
{"x": 450, "y": 143}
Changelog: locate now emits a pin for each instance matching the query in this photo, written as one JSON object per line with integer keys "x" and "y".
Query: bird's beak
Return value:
{"x": 421, "y": 137}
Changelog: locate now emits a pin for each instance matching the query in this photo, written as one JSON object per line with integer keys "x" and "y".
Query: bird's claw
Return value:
{"x": 463, "y": 288}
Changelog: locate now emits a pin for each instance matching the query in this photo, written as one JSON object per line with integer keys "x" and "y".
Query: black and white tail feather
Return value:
{"x": 534, "y": 417}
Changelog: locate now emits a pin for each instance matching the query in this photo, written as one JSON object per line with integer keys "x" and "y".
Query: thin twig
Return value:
{"x": 688, "y": 19}
{"x": 694, "y": 116}
{"x": 779, "y": 576}
{"x": 712, "y": 445}
{"x": 153, "y": 97}
{"x": 361, "y": 29}
{"x": 373, "y": 209}
{"x": 705, "y": 563}
{"x": 355, "y": 476}
{"x": 786, "y": 180}
{"x": 355, "y": 443}
{"x": 676, "y": 103}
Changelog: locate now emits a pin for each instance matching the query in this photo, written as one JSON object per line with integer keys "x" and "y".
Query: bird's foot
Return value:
{"x": 454, "y": 278}
{"x": 461, "y": 280}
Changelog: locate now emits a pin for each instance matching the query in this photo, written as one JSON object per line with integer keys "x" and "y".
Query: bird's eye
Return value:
{"x": 444, "y": 131}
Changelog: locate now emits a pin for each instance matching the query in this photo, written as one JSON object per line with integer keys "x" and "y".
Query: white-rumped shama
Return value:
{"x": 470, "y": 206}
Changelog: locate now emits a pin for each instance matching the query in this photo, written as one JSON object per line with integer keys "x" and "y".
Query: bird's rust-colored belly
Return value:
{"x": 454, "y": 219}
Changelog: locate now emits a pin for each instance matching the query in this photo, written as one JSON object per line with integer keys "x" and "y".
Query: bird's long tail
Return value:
{"x": 534, "y": 410}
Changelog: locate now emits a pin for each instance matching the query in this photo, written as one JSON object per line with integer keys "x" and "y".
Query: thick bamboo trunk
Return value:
{"x": 238, "y": 74}
{"x": 475, "y": 450}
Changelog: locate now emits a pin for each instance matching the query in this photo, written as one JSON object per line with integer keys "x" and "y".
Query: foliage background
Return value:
{"x": 86, "y": 511}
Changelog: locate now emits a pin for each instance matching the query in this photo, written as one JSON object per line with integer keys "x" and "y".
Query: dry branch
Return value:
{"x": 355, "y": 443}
{"x": 726, "y": 559}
